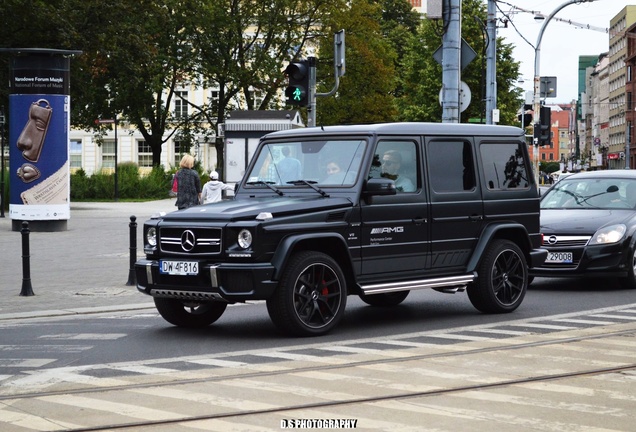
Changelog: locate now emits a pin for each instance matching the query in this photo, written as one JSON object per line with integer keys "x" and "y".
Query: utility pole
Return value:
{"x": 491, "y": 63}
{"x": 451, "y": 58}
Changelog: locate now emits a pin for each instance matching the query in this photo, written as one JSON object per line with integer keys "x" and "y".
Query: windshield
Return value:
{"x": 591, "y": 193}
{"x": 321, "y": 163}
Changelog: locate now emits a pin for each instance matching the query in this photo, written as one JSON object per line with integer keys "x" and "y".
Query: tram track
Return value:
{"x": 355, "y": 366}
{"x": 326, "y": 405}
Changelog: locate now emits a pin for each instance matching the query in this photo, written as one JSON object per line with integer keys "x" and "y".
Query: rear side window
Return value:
{"x": 451, "y": 166}
{"x": 505, "y": 166}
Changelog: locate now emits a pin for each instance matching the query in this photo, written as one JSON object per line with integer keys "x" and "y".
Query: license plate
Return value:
{"x": 179, "y": 268}
{"x": 559, "y": 257}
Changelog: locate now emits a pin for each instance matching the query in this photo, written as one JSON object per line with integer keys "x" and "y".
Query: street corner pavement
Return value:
{"x": 83, "y": 269}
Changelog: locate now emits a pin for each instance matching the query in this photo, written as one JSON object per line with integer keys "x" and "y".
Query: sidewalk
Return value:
{"x": 83, "y": 269}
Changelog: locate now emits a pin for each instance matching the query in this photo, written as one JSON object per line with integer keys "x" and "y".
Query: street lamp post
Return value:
{"x": 537, "y": 81}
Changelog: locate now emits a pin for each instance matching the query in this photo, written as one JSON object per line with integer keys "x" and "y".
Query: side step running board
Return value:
{"x": 453, "y": 281}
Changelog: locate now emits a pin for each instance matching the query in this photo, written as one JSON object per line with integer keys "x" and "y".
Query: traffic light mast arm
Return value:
{"x": 338, "y": 61}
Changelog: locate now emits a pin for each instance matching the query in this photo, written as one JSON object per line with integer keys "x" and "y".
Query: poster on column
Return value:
{"x": 39, "y": 106}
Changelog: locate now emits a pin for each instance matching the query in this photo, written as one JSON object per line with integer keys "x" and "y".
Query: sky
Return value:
{"x": 562, "y": 43}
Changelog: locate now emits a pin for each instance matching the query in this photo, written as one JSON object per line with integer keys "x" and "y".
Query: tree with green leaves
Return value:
{"x": 244, "y": 47}
{"x": 136, "y": 55}
{"x": 365, "y": 94}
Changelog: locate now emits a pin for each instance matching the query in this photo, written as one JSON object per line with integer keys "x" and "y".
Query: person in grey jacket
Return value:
{"x": 212, "y": 189}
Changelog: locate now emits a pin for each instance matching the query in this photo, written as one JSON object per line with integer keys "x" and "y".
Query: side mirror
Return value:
{"x": 379, "y": 187}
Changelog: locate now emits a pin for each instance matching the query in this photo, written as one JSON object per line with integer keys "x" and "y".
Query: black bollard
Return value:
{"x": 27, "y": 290}
{"x": 132, "y": 278}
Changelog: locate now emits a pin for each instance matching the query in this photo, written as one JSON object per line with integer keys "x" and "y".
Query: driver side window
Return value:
{"x": 397, "y": 161}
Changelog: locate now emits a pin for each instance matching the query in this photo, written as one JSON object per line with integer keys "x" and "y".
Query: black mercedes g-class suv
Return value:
{"x": 368, "y": 210}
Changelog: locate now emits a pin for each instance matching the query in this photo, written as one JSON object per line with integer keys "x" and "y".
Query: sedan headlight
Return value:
{"x": 244, "y": 238}
{"x": 608, "y": 234}
{"x": 151, "y": 236}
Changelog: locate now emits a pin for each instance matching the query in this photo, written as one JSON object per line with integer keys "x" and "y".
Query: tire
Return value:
{"x": 629, "y": 282}
{"x": 385, "y": 299}
{"x": 189, "y": 314}
{"x": 311, "y": 297}
{"x": 502, "y": 279}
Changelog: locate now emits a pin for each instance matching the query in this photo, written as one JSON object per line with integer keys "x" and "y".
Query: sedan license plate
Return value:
{"x": 559, "y": 257}
{"x": 179, "y": 268}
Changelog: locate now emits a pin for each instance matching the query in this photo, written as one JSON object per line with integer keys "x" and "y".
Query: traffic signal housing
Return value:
{"x": 542, "y": 130}
{"x": 297, "y": 91}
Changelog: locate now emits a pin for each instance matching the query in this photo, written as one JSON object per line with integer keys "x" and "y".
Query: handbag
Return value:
{"x": 175, "y": 186}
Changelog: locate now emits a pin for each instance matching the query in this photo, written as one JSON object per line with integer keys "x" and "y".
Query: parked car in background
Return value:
{"x": 588, "y": 223}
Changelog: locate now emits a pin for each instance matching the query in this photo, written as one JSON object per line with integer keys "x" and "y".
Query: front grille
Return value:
{"x": 565, "y": 241}
{"x": 190, "y": 241}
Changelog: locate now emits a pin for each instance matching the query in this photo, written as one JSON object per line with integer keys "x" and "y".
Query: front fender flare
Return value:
{"x": 290, "y": 243}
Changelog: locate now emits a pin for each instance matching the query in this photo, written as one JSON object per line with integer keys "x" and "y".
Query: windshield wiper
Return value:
{"x": 610, "y": 189}
{"x": 311, "y": 184}
{"x": 268, "y": 184}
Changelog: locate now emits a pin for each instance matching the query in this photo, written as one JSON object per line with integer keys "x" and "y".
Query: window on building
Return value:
{"x": 179, "y": 151}
{"x": 180, "y": 104}
{"x": 108, "y": 154}
{"x": 75, "y": 153}
{"x": 144, "y": 154}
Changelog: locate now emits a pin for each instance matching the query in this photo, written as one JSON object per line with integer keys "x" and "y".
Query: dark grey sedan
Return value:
{"x": 588, "y": 223}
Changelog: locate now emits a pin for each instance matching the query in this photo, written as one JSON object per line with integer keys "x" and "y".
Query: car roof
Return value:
{"x": 405, "y": 128}
{"x": 616, "y": 173}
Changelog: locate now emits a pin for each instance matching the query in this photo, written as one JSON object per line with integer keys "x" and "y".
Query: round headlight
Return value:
{"x": 151, "y": 236}
{"x": 245, "y": 238}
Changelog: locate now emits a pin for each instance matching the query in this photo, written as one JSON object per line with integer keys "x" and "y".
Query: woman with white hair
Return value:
{"x": 188, "y": 184}
{"x": 212, "y": 189}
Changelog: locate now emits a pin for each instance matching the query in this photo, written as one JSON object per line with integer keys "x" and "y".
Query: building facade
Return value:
{"x": 617, "y": 85}
{"x": 630, "y": 92}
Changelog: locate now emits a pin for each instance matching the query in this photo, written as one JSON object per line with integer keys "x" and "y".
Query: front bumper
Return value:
{"x": 596, "y": 261}
{"x": 214, "y": 282}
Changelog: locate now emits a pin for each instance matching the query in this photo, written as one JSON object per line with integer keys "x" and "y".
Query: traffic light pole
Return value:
{"x": 311, "y": 106}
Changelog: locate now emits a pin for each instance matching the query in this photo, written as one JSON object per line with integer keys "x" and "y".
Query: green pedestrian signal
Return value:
{"x": 298, "y": 94}
{"x": 297, "y": 90}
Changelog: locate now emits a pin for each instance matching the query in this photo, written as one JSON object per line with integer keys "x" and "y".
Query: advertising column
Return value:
{"x": 39, "y": 107}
